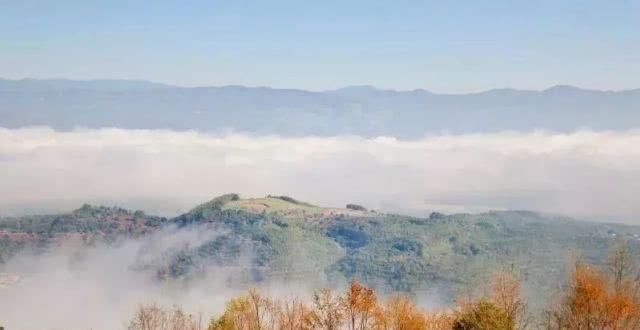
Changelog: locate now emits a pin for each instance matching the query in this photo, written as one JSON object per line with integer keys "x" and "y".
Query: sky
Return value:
{"x": 442, "y": 46}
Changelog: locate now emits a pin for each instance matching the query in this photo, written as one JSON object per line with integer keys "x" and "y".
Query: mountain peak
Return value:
{"x": 562, "y": 89}
{"x": 358, "y": 89}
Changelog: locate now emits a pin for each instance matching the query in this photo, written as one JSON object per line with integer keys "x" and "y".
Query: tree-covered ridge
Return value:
{"x": 589, "y": 297}
{"x": 296, "y": 240}
{"x": 88, "y": 223}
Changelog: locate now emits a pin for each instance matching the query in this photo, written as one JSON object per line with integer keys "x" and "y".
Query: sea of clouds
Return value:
{"x": 586, "y": 174}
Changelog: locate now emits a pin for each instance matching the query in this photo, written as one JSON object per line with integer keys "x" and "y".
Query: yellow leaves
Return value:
{"x": 250, "y": 312}
{"x": 400, "y": 313}
{"x": 237, "y": 315}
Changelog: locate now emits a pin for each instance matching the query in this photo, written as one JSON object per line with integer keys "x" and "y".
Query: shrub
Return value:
{"x": 356, "y": 207}
{"x": 482, "y": 315}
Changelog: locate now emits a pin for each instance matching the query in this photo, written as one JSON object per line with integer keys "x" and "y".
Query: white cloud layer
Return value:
{"x": 99, "y": 287}
{"x": 584, "y": 174}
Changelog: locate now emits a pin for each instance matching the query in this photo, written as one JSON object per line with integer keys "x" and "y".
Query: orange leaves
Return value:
{"x": 594, "y": 300}
{"x": 397, "y": 312}
{"x": 360, "y": 304}
{"x": 584, "y": 305}
{"x": 357, "y": 309}
{"x": 622, "y": 309}
{"x": 589, "y": 296}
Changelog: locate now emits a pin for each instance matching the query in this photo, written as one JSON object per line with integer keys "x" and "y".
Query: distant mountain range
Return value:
{"x": 358, "y": 110}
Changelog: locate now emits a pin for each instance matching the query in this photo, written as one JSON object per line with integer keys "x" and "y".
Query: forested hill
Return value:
{"x": 297, "y": 240}
{"x": 357, "y": 110}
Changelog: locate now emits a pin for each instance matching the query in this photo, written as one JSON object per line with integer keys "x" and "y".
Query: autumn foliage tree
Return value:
{"x": 356, "y": 309}
{"x": 595, "y": 299}
{"x": 399, "y": 312}
{"x": 294, "y": 315}
{"x": 252, "y": 311}
{"x": 360, "y": 304}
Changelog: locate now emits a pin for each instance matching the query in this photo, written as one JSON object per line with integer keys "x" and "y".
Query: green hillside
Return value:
{"x": 294, "y": 240}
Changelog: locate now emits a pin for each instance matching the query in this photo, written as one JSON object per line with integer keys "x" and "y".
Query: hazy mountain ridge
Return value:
{"x": 356, "y": 110}
{"x": 296, "y": 240}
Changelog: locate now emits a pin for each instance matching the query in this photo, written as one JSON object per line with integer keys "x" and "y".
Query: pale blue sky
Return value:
{"x": 443, "y": 46}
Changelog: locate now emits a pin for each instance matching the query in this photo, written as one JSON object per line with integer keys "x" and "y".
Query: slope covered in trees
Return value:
{"x": 592, "y": 298}
{"x": 293, "y": 240}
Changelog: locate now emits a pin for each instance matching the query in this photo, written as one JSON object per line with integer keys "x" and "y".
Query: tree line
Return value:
{"x": 592, "y": 298}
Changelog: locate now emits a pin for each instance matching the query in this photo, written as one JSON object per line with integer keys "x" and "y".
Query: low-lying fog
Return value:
{"x": 76, "y": 287}
{"x": 99, "y": 287}
{"x": 585, "y": 174}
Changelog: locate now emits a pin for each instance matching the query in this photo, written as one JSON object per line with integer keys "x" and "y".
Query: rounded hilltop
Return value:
{"x": 280, "y": 205}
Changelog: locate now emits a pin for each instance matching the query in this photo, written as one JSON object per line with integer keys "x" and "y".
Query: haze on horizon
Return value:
{"x": 438, "y": 46}
{"x": 416, "y": 52}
